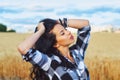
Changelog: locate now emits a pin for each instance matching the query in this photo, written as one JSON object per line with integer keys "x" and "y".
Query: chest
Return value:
{"x": 58, "y": 71}
{"x": 62, "y": 73}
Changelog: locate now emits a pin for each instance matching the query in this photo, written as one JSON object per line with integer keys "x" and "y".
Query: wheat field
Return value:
{"x": 102, "y": 57}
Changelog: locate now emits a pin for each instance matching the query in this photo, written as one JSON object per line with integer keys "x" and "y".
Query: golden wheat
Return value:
{"x": 102, "y": 58}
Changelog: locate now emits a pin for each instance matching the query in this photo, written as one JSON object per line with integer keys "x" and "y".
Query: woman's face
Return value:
{"x": 63, "y": 36}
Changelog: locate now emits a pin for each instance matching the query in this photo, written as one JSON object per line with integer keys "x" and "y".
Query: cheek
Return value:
{"x": 65, "y": 41}
{"x": 62, "y": 40}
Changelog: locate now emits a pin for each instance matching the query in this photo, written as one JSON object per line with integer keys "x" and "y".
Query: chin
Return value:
{"x": 71, "y": 43}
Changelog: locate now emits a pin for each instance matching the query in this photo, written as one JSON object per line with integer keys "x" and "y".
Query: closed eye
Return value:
{"x": 62, "y": 32}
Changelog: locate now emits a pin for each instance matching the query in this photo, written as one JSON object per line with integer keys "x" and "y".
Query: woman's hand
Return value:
{"x": 29, "y": 42}
{"x": 41, "y": 27}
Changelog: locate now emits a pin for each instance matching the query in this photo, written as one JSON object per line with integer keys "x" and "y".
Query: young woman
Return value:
{"x": 51, "y": 54}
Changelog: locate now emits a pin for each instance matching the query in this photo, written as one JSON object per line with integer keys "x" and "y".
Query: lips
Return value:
{"x": 72, "y": 37}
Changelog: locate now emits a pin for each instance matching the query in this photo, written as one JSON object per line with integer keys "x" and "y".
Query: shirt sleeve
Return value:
{"x": 83, "y": 36}
{"x": 37, "y": 58}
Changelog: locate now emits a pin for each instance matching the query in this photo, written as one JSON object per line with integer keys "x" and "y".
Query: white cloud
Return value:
{"x": 37, "y": 9}
{"x": 104, "y": 18}
{"x": 81, "y": 4}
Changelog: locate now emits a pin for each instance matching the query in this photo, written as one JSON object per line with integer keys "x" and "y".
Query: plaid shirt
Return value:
{"x": 52, "y": 64}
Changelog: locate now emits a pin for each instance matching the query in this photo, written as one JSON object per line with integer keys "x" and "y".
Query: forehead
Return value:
{"x": 57, "y": 28}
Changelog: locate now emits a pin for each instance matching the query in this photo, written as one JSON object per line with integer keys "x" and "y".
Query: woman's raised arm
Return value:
{"x": 29, "y": 42}
{"x": 77, "y": 23}
{"x": 74, "y": 23}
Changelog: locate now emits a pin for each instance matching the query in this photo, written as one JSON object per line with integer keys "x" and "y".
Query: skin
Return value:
{"x": 64, "y": 38}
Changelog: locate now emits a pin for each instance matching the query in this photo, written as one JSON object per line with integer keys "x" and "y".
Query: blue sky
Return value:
{"x": 24, "y": 15}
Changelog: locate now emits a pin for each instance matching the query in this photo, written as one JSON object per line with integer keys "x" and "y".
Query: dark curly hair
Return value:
{"x": 45, "y": 44}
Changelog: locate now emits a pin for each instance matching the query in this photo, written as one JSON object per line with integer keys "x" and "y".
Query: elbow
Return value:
{"x": 83, "y": 23}
{"x": 87, "y": 22}
{"x": 21, "y": 49}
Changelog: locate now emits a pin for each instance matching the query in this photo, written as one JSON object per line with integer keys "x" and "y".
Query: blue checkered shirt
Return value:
{"x": 52, "y": 64}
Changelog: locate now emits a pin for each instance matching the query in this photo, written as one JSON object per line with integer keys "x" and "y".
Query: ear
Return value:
{"x": 56, "y": 45}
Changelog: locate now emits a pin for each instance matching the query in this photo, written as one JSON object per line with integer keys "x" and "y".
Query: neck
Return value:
{"x": 65, "y": 52}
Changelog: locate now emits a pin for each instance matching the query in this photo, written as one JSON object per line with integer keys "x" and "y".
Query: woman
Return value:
{"x": 48, "y": 49}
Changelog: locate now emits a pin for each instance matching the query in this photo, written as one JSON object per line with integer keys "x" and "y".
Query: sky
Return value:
{"x": 24, "y": 15}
